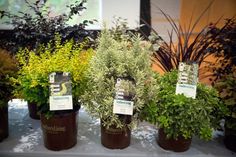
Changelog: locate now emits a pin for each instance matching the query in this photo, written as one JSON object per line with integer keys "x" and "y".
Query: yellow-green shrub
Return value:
{"x": 32, "y": 82}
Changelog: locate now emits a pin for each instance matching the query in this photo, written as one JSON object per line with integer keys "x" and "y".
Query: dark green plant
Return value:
{"x": 32, "y": 82}
{"x": 31, "y": 30}
{"x": 224, "y": 68}
{"x": 8, "y": 69}
{"x": 226, "y": 85}
{"x": 225, "y": 48}
{"x": 179, "y": 115}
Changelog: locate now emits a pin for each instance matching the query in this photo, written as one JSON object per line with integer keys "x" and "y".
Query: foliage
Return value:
{"x": 226, "y": 86}
{"x": 224, "y": 69}
{"x": 31, "y": 30}
{"x": 180, "y": 115}
{"x": 8, "y": 68}
{"x": 118, "y": 55}
{"x": 226, "y": 48}
{"x": 187, "y": 48}
{"x": 32, "y": 83}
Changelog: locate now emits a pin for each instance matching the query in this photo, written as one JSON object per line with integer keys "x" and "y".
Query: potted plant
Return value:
{"x": 60, "y": 126}
{"x": 179, "y": 117}
{"x": 224, "y": 76}
{"x": 8, "y": 69}
{"x": 226, "y": 86}
{"x": 119, "y": 75}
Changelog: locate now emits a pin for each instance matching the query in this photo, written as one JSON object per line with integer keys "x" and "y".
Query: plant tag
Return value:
{"x": 123, "y": 107}
{"x": 123, "y": 103}
{"x": 187, "y": 79}
{"x": 60, "y": 91}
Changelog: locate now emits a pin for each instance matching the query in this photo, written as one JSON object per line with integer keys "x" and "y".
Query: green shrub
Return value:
{"x": 120, "y": 54}
{"x": 180, "y": 115}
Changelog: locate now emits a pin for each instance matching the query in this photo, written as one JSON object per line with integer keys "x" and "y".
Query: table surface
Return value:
{"x": 25, "y": 139}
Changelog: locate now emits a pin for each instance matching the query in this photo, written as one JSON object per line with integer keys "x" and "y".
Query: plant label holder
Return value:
{"x": 60, "y": 91}
{"x": 123, "y": 103}
{"x": 187, "y": 79}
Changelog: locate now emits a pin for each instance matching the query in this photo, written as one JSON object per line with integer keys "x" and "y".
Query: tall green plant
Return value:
{"x": 124, "y": 56}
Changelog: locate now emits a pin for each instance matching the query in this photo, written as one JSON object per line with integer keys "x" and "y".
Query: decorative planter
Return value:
{"x": 177, "y": 145}
{"x": 3, "y": 123}
{"x": 116, "y": 138}
{"x": 230, "y": 137}
{"x": 33, "y": 111}
{"x": 59, "y": 131}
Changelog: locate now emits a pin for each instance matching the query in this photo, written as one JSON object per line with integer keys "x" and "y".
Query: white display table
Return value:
{"x": 25, "y": 139}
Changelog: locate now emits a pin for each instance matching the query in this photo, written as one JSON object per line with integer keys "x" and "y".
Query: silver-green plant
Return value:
{"x": 126, "y": 56}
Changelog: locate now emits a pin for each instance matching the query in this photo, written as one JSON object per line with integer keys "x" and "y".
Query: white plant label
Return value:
{"x": 61, "y": 102}
{"x": 187, "y": 80}
{"x": 60, "y": 91}
{"x": 123, "y": 103}
{"x": 123, "y": 107}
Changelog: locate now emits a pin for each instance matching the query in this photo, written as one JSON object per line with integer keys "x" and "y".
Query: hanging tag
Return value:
{"x": 123, "y": 103}
{"x": 60, "y": 91}
{"x": 187, "y": 79}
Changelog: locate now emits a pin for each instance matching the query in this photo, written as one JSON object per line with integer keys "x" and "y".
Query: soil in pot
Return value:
{"x": 230, "y": 137}
{"x": 177, "y": 145}
{"x": 116, "y": 138}
{"x": 3, "y": 123}
{"x": 33, "y": 111}
{"x": 60, "y": 131}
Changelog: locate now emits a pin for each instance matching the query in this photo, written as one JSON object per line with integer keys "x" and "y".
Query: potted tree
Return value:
{"x": 120, "y": 83}
{"x": 8, "y": 69}
{"x": 179, "y": 117}
{"x": 59, "y": 126}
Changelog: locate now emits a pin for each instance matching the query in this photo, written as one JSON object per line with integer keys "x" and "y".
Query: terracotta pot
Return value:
{"x": 59, "y": 131}
{"x": 33, "y": 111}
{"x": 230, "y": 137}
{"x": 116, "y": 138}
{"x": 177, "y": 145}
{"x": 4, "y": 123}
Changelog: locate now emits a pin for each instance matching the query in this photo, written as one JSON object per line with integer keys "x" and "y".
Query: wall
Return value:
{"x": 158, "y": 21}
{"x": 219, "y": 9}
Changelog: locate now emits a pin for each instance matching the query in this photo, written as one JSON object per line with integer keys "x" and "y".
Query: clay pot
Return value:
{"x": 33, "y": 111}
{"x": 230, "y": 137}
{"x": 177, "y": 145}
{"x": 3, "y": 123}
{"x": 116, "y": 138}
{"x": 59, "y": 131}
